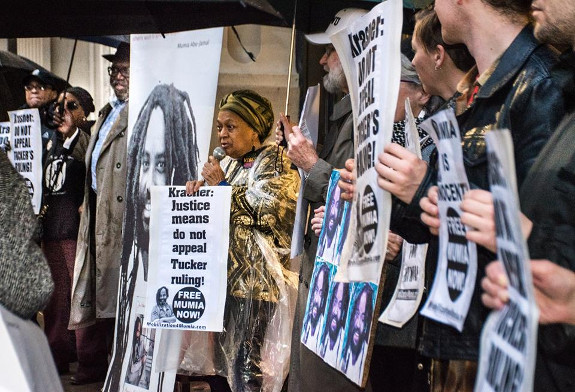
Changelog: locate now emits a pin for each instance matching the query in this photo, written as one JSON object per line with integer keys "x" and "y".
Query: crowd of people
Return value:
{"x": 496, "y": 63}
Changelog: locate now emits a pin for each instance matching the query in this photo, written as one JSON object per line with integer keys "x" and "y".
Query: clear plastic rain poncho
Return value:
{"x": 253, "y": 351}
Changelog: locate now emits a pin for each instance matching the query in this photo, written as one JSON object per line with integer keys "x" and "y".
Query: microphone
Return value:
{"x": 219, "y": 153}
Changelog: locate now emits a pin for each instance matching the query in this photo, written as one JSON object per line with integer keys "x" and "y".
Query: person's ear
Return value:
{"x": 439, "y": 57}
{"x": 423, "y": 97}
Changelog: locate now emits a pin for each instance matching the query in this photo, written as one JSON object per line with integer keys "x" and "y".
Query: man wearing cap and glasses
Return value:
{"x": 96, "y": 273}
{"x": 337, "y": 148}
{"x": 42, "y": 89}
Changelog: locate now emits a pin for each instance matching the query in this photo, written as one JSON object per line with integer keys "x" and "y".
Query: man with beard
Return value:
{"x": 358, "y": 328}
{"x": 337, "y": 148}
{"x": 337, "y": 312}
{"x": 163, "y": 151}
{"x": 97, "y": 266}
{"x": 329, "y": 243}
{"x": 316, "y": 309}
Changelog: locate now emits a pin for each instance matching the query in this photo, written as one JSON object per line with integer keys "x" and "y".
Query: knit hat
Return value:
{"x": 84, "y": 98}
{"x": 254, "y": 109}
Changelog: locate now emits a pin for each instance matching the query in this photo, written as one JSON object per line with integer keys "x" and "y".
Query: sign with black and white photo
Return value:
{"x": 370, "y": 56}
{"x": 339, "y": 316}
{"x": 409, "y": 289}
{"x": 189, "y": 241}
{"x": 509, "y": 336}
{"x": 454, "y": 282}
{"x": 26, "y": 151}
{"x": 173, "y": 82}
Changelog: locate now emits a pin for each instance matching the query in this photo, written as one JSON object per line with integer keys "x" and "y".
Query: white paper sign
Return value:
{"x": 4, "y": 133}
{"x": 309, "y": 127}
{"x": 454, "y": 282}
{"x": 189, "y": 242}
{"x": 370, "y": 55}
{"x": 26, "y": 360}
{"x": 509, "y": 336}
{"x": 409, "y": 290}
{"x": 338, "y": 318}
{"x": 26, "y": 152}
{"x": 173, "y": 82}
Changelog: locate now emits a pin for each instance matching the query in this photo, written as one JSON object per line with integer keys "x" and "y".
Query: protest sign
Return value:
{"x": 26, "y": 151}
{"x": 4, "y": 134}
{"x": 26, "y": 360}
{"x": 509, "y": 335}
{"x": 173, "y": 81}
{"x": 454, "y": 282}
{"x": 409, "y": 290}
{"x": 370, "y": 56}
{"x": 339, "y": 318}
{"x": 187, "y": 285}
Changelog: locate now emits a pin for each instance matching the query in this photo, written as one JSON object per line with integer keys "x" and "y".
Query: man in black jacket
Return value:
{"x": 546, "y": 199}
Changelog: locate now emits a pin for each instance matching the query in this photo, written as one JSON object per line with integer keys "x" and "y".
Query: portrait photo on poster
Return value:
{"x": 142, "y": 352}
{"x": 331, "y": 344}
{"x": 335, "y": 223}
{"x": 314, "y": 318}
{"x": 357, "y": 330}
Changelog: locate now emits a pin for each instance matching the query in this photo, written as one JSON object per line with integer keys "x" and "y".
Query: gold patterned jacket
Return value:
{"x": 262, "y": 215}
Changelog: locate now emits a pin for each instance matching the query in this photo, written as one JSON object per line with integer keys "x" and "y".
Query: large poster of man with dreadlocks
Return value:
{"x": 172, "y": 98}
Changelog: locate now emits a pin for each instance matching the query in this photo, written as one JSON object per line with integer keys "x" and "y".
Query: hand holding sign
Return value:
{"x": 394, "y": 243}
{"x": 400, "y": 171}
{"x": 193, "y": 186}
{"x": 301, "y": 150}
{"x": 317, "y": 220}
{"x": 430, "y": 214}
{"x": 478, "y": 215}
{"x": 347, "y": 180}
{"x": 554, "y": 290}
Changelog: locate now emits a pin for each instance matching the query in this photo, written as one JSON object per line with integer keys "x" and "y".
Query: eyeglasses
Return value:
{"x": 113, "y": 71}
{"x": 37, "y": 87}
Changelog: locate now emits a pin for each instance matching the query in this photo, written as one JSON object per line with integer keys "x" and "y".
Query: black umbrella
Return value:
{"x": 13, "y": 69}
{"x": 72, "y": 18}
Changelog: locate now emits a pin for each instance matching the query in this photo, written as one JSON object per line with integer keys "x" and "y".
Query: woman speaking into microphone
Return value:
{"x": 262, "y": 216}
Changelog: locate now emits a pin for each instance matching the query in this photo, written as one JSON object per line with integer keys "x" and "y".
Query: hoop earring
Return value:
{"x": 437, "y": 68}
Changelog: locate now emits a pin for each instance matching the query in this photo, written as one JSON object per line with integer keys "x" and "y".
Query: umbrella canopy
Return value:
{"x": 13, "y": 69}
{"x": 71, "y": 18}
{"x": 314, "y": 15}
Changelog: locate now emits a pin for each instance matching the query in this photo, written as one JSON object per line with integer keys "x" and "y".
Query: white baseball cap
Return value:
{"x": 342, "y": 19}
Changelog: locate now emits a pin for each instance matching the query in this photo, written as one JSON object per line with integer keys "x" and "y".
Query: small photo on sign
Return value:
{"x": 162, "y": 312}
{"x": 314, "y": 318}
{"x": 358, "y": 324}
{"x": 335, "y": 223}
{"x": 331, "y": 344}
{"x": 141, "y": 354}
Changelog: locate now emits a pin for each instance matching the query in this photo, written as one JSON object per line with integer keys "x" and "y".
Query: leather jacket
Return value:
{"x": 519, "y": 95}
